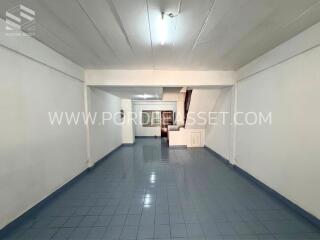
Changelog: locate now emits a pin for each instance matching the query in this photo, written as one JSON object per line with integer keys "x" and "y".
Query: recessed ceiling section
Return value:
{"x": 135, "y": 93}
{"x": 202, "y": 35}
{"x": 172, "y": 89}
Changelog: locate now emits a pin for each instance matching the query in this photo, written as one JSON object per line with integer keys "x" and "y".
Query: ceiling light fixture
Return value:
{"x": 144, "y": 96}
{"x": 163, "y": 26}
{"x": 162, "y": 29}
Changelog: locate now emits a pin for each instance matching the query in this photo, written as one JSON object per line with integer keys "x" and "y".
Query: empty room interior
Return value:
{"x": 160, "y": 119}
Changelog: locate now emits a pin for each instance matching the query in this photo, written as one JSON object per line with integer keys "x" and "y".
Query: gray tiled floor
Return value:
{"x": 148, "y": 191}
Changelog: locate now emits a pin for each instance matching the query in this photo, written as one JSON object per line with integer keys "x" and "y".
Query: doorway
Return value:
{"x": 166, "y": 120}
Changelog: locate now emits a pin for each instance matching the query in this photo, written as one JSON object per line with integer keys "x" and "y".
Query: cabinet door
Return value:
{"x": 195, "y": 139}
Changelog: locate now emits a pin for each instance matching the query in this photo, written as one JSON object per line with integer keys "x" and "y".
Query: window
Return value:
{"x": 151, "y": 118}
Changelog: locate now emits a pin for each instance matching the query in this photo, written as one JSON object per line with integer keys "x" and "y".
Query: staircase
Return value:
{"x": 198, "y": 104}
{"x": 201, "y": 104}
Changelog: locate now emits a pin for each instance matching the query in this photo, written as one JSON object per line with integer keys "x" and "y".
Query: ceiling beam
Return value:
{"x": 158, "y": 78}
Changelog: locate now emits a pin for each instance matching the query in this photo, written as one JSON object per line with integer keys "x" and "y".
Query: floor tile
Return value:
{"x": 146, "y": 232}
{"x": 113, "y": 232}
{"x": 162, "y": 231}
{"x": 148, "y": 191}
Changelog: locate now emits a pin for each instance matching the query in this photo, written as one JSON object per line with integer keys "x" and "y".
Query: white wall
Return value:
{"x": 36, "y": 158}
{"x": 187, "y": 137}
{"x": 128, "y": 131}
{"x": 139, "y": 106}
{"x": 218, "y": 134}
{"x": 105, "y": 136}
{"x": 285, "y": 155}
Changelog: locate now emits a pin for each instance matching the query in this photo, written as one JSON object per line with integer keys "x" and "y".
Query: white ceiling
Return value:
{"x": 206, "y": 35}
{"x": 135, "y": 93}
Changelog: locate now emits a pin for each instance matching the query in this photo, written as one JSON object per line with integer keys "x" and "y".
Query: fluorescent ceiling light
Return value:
{"x": 162, "y": 29}
{"x": 145, "y": 96}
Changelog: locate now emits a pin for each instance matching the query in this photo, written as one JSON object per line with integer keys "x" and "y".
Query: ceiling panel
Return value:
{"x": 224, "y": 31}
{"x": 189, "y": 27}
{"x": 276, "y": 29}
{"x": 51, "y": 31}
{"x": 251, "y": 28}
{"x": 104, "y": 18}
{"x": 206, "y": 34}
{"x": 74, "y": 18}
{"x": 134, "y": 17}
